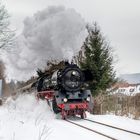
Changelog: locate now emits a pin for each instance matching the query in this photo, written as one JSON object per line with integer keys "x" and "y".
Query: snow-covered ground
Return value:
{"x": 28, "y": 119}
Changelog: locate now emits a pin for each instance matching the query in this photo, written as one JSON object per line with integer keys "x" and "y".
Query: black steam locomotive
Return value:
{"x": 65, "y": 91}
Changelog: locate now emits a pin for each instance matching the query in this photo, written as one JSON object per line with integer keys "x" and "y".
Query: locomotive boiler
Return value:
{"x": 66, "y": 91}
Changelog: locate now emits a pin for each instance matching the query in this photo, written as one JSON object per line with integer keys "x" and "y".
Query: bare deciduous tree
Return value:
{"x": 6, "y": 35}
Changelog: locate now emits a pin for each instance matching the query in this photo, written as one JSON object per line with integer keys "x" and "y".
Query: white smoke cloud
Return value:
{"x": 54, "y": 33}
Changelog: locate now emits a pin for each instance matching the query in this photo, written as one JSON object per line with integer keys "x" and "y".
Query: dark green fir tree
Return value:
{"x": 98, "y": 58}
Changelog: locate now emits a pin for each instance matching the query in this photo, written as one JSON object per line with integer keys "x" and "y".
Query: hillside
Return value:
{"x": 131, "y": 78}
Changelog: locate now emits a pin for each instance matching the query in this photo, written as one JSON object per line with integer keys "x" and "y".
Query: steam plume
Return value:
{"x": 54, "y": 33}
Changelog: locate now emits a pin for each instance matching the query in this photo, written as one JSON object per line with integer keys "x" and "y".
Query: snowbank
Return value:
{"x": 25, "y": 118}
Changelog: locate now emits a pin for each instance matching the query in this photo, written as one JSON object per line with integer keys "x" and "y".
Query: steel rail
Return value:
{"x": 128, "y": 131}
{"x": 91, "y": 130}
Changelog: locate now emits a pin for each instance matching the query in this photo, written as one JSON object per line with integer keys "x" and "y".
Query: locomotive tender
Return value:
{"x": 65, "y": 91}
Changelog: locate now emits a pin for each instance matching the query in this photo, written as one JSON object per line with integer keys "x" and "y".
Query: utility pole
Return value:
{"x": 0, "y": 88}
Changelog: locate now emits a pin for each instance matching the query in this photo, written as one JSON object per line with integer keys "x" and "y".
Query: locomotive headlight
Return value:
{"x": 65, "y": 100}
{"x": 88, "y": 99}
{"x": 74, "y": 73}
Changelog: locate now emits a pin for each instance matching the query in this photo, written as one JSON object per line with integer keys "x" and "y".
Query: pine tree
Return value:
{"x": 6, "y": 34}
{"x": 98, "y": 59}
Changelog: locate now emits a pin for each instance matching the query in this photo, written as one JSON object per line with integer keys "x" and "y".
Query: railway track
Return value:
{"x": 104, "y": 125}
{"x": 94, "y": 131}
{"x": 128, "y": 131}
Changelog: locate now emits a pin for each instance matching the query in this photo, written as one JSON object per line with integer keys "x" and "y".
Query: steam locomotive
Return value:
{"x": 65, "y": 91}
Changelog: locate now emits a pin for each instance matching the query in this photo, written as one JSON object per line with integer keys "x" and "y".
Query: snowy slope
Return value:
{"x": 28, "y": 119}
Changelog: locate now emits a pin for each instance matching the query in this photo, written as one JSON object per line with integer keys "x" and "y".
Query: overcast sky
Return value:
{"x": 119, "y": 21}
